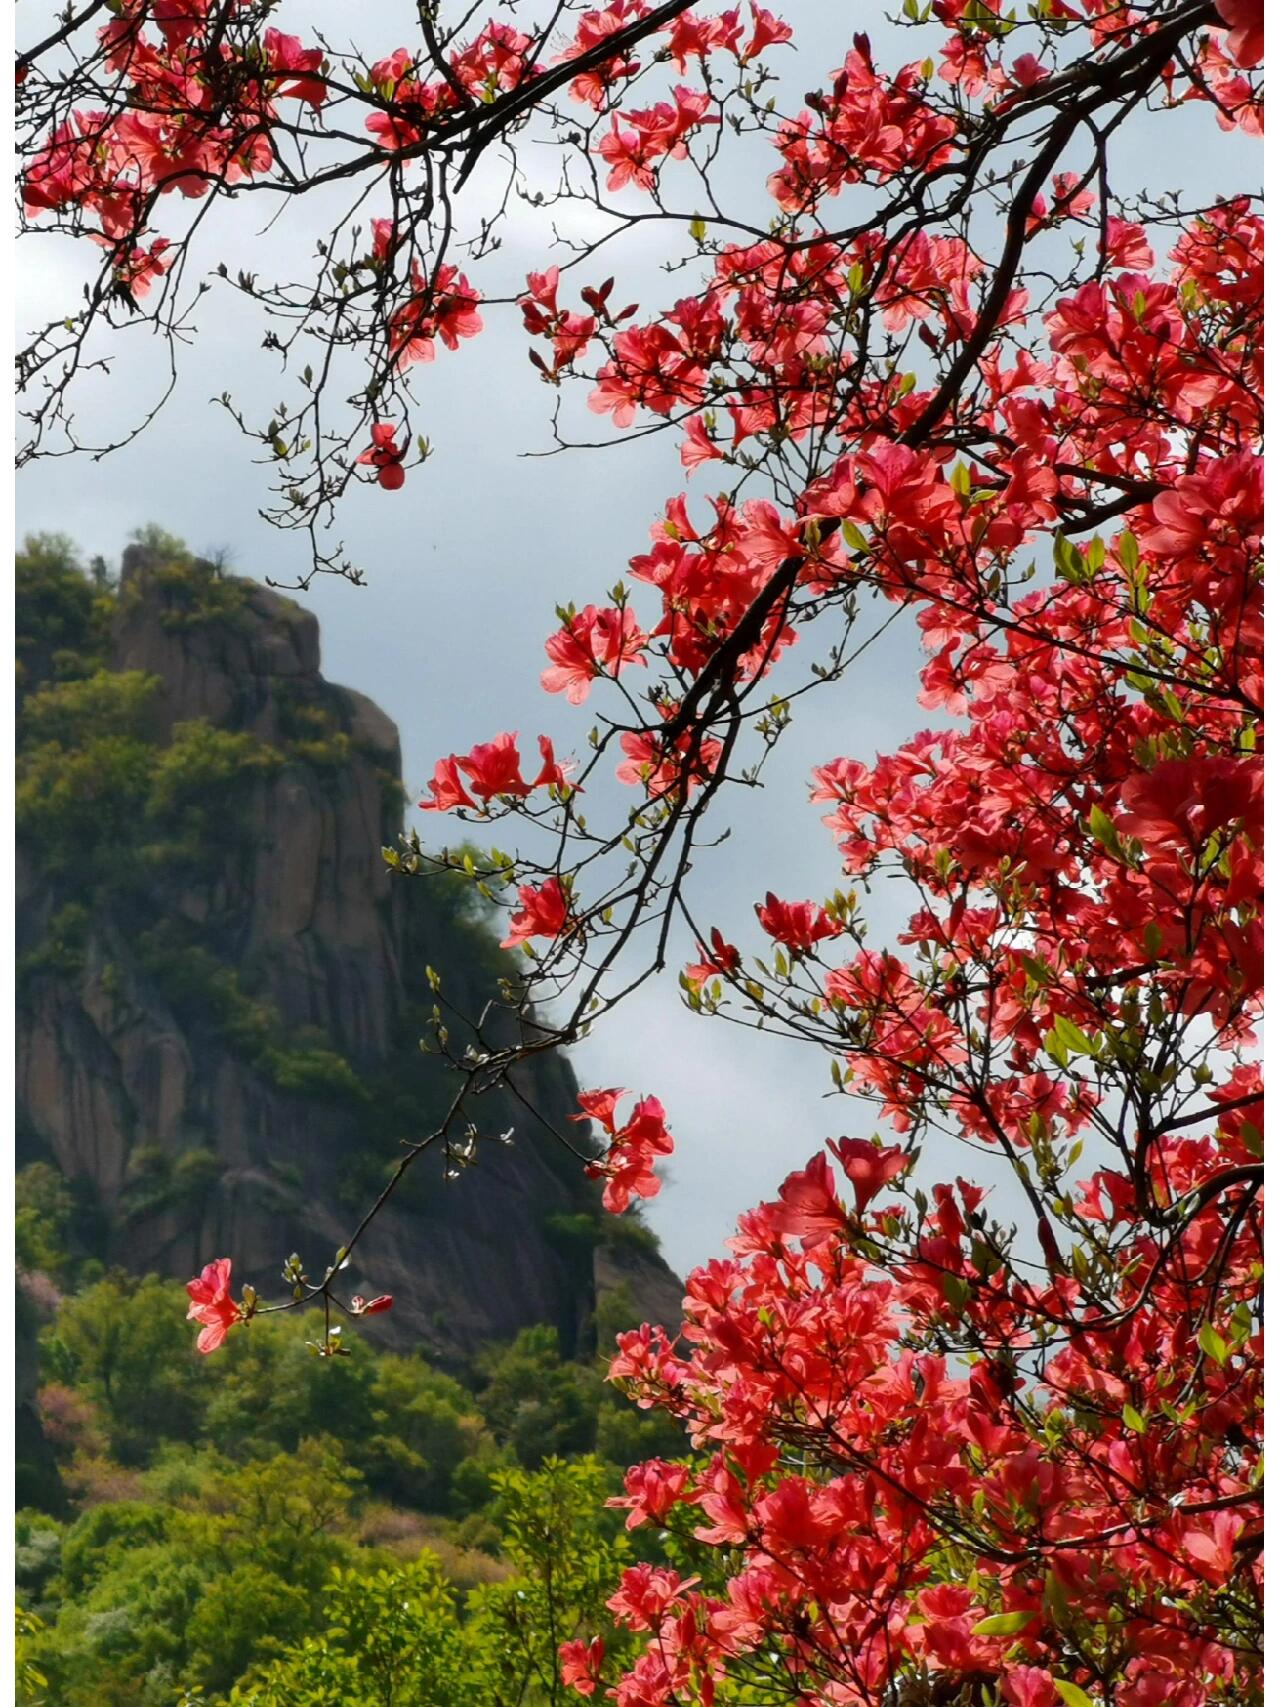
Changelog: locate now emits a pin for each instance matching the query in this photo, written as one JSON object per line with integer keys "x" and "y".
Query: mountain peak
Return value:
{"x": 222, "y": 989}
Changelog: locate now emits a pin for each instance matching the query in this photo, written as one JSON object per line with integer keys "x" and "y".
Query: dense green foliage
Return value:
{"x": 402, "y": 1637}
{"x": 107, "y": 800}
{"x": 262, "y": 1508}
{"x": 62, "y": 614}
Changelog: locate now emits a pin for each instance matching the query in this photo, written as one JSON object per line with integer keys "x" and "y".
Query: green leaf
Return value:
{"x": 1071, "y": 1693}
{"x": 1212, "y": 1343}
{"x": 1104, "y": 831}
{"x": 1068, "y": 561}
{"x": 1134, "y": 1420}
{"x": 1004, "y": 1623}
{"x": 1126, "y": 549}
{"x": 1068, "y": 1035}
{"x": 1055, "y": 1598}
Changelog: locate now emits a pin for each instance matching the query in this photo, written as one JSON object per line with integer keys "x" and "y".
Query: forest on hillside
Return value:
{"x": 284, "y": 1530}
{"x": 279, "y": 1528}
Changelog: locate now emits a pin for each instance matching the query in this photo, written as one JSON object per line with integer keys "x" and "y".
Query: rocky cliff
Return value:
{"x": 222, "y": 990}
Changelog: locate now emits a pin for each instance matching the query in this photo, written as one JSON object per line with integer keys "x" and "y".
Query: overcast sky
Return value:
{"x": 465, "y": 565}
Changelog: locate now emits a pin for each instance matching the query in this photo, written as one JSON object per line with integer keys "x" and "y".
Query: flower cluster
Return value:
{"x": 940, "y": 1448}
{"x": 492, "y": 771}
{"x": 627, "y": 1167}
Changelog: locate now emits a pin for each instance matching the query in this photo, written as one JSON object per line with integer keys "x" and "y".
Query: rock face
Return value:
{"x": 222, "y": 1040}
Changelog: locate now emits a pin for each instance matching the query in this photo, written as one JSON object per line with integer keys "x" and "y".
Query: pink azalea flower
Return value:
{"x": 385, "y": 455}
{"x": 447, "y": 789}
{"x": 542, "y": 912}
{"x": 212, "y": 1304}
{"x": 869, "y": 1166}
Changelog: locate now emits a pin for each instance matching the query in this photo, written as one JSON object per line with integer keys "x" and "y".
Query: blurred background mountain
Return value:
{"x": 221, "y": 993}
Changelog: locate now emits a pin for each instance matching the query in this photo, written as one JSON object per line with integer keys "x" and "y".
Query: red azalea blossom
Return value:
{"x": 555, "y": 772}
{"x": 798, "y": 925}
{"x": 593, "y": 642}
{"x": 298, "y": 67}
{"x": 385, "y": 455}
{"x": 869, "y": 1167}
{"x": 808, "y": 1208}
{"x": 447, "y": 788}
{"x": 449, "y": 310}
{"x": 627, "y": 1168}
{"x": 664, "y": 769}
{"x": 212, "y": 1304}
{"x": 1244, "y": 18}
{"x": 543, "y": 911}
{"x": 494, "y": 768}
{"x": 580, "y": 1664}
{"x": 723, "y": 959}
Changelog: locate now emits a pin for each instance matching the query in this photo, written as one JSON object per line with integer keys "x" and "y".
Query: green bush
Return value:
{"x": 195, "y": 1173}
{"x": 118, "y": 703}
{"x": 314, "y": 1072}
{"x": 62, "y": 951}
{"x": 37, "y": 1554}
{"x": 231, "y": 1561}
{"x": 208, "y": 995}
{"x": 61, "y": 616}
{"x": 197, "y": 776}
{"x": 96, "y": 1542}
{"x": 534, "y": 1401}
{"x": 195, "y": 593}
{"x": 78, "y": 809}
{"x": 45, "y": 1207}
{"x": 124, "y": 1343}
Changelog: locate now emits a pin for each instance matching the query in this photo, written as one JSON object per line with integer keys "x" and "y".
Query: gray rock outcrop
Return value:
{"x": 231, "y": 1058}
